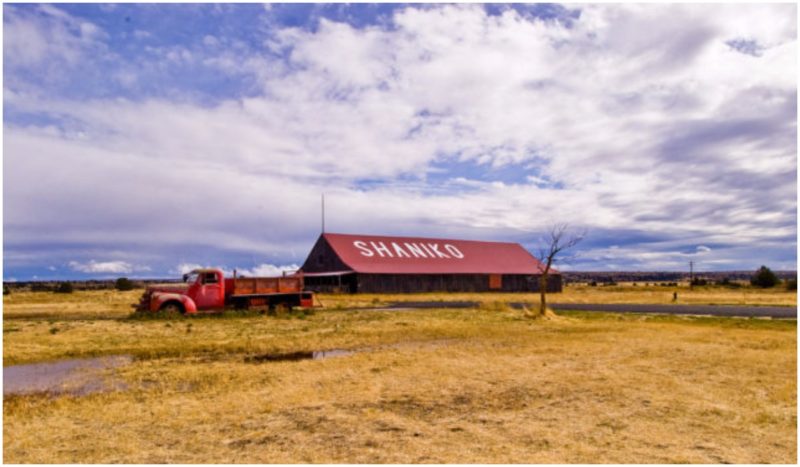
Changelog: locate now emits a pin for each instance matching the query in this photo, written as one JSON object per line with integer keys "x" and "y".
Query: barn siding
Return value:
{"x": 409, "y": 283}
{"x": 332, "y": 284}
{"x": 323, "y": 259}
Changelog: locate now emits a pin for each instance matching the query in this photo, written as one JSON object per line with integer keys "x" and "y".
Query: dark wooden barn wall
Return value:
{"x": 405, "y": 283}
{"x": 323, "y": 259}
{"x": 335, "y": 284}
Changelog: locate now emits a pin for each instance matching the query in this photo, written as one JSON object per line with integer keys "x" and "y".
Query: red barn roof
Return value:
{"x": 415, "y": 255}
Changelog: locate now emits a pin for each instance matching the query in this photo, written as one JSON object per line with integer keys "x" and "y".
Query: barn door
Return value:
{"x": 495, "y": 281}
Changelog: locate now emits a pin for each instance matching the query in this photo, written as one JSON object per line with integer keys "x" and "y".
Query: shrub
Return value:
{"x": 64, "y": 287}
{"x": 6, "y": 290}
{"x": 123, "y": 284}
{"x": 727, "y": 282}
{"x": 40, "y": 287}
{"x": 791, "y": 284}
{"x": 764, "y": 278}
{"x": 699, "y": 281}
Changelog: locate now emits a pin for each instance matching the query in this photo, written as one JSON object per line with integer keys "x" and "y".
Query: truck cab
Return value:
{"x": 206, "y": 288}
{"x": 201, "y": 289}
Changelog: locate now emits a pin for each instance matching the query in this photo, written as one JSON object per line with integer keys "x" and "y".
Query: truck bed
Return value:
{"x": 264, "y": 285}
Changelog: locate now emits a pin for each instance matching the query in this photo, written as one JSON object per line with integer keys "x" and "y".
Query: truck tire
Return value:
{"x": 172, "y": 308}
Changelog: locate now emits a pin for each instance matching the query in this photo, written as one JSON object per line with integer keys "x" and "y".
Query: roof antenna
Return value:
{"x": 323, "y": 213}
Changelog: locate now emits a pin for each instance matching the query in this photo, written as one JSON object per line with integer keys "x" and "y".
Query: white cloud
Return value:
{"x": 184, "y": 268}
{"x": 635, "y": 116}
{"x": 210, "y": 41}
{"x": 262, "y": 270}
{"x": 47, "y": 37}
{"x": 267, "y": 270}
{"x": 92, "y": 266}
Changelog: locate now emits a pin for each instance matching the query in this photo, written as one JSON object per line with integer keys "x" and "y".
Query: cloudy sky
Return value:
{"x": 142, "y": 139}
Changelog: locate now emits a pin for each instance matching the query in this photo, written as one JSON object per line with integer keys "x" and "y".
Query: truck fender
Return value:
{"x": 159, "y": 299}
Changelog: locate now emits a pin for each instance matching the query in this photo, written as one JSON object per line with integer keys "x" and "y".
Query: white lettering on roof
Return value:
{"x": 428, "y": 250}
{"x": 416, "y": 250}
{"x": 400, "y": 252}
{"x": 454, "y": 251}
{"x": 365, "y": 251}
{"x": 381, "y": 249}
{"x": 435, "y": 248}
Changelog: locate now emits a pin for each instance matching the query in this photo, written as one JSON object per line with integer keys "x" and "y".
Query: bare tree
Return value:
{"x": 558, "y": 239}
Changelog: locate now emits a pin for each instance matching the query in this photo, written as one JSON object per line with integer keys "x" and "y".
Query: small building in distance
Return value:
{"x": 381, "y": 264}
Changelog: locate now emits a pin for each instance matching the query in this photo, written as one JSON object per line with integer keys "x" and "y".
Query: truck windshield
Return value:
{"x": 191, "y": 278}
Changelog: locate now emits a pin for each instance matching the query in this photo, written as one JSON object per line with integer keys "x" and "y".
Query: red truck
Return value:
{"x": 210, "y": 290}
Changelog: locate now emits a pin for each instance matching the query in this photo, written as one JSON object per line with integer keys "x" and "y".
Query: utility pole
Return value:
{"x": 691, "y": 275}
{"x": 323, "y": 213}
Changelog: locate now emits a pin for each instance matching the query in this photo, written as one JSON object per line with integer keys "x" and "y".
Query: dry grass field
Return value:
{"x": 581, "y": 293}
{"x": 435, "y": 386}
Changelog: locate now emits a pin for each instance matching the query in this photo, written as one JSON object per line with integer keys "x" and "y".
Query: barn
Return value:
{"x": 381, "y": 264}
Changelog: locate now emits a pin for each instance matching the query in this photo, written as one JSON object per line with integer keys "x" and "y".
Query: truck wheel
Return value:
{"x": 171, "y": 308}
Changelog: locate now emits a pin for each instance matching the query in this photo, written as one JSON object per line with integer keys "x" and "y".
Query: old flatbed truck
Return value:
{"x": 209, "y": 290}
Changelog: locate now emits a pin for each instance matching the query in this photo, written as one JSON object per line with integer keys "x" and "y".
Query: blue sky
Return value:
{"x": 143, "y": 139}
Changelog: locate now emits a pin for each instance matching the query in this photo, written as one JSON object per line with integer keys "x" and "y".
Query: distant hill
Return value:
{"x": 96, "y": 284}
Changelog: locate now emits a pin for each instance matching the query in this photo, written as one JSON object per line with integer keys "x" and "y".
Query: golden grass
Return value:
{"x": 705, "y": 295}
{"x": 580, "y": 293}
{"x": 435, "y": 386}
{"x": 89, "y": 304}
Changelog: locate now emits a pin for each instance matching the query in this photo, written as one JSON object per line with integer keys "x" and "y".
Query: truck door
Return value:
{"x": 209, "y": 295}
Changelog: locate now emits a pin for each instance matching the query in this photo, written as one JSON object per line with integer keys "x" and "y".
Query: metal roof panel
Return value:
{"x": 416, "y": 255}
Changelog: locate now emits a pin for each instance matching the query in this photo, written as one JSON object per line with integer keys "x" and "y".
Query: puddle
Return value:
{"x": 296, "y": 356}
{"x": 78, "y": 376}
{"x": 324, "y": 354}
